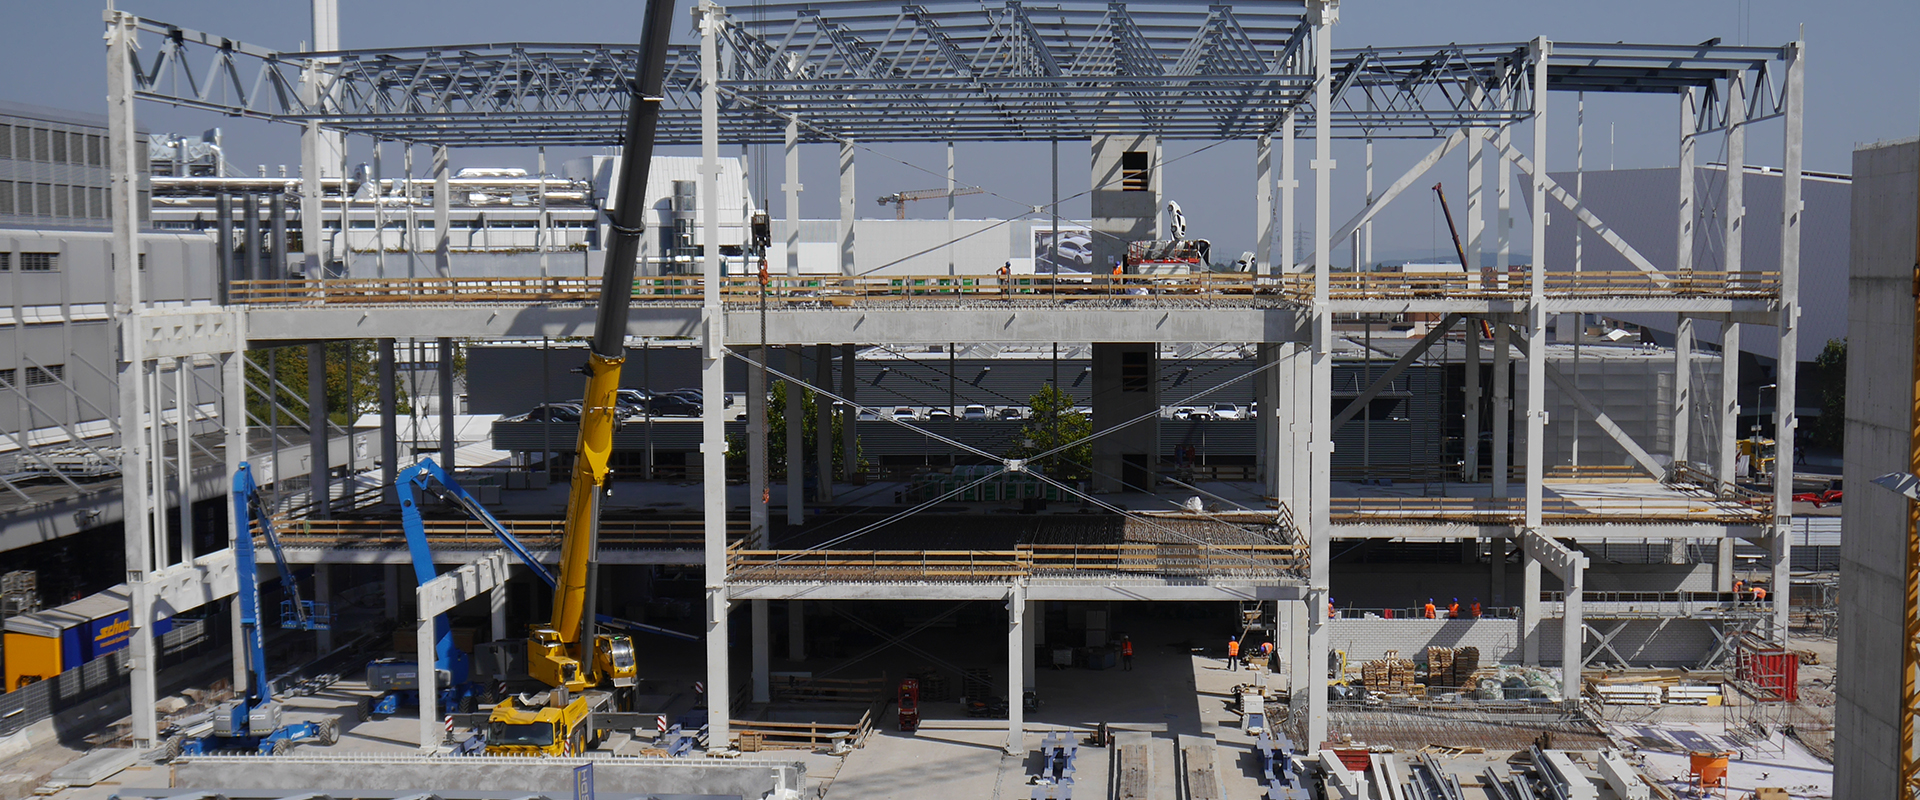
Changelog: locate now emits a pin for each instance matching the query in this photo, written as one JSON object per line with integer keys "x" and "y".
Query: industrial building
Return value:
{"x": 1294, "y": 454}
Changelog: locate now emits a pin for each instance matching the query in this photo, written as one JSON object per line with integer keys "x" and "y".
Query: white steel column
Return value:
{"x": 233, "y": 421}
{"x": 713, "y": 387}
{"x": 1016, "y": 663}
{"x": 423, "y": 642}
{"x": 124, "y": 154}
{"x": 762, "y": 683}
{"x": 953, "y": 204}
{"x": 1537, "y": 357}
{"x": 449, "y": 444}
{"x": 757, "y": 491}
{"x": 1785, "y": 420}
{"x": 497, "y": 611}
{"x": 1502, "y": 421}
{"x": 847, "y": 214}
{"x": 1275, "y": 396}
{"x": 319, "y": 490}
{"x": 183, "y": 451}
{"x": 1735, "y": 211}
{"x": 796, "y": 443}
{"x": 1322, "y": 14}
{"x": 389, "y": 424}
{"x": 792, "y": 186}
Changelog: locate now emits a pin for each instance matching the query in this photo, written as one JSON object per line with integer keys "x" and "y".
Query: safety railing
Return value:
{"x": 1502, "y": 511}
{"x": 1137, "y": 559}
{"x": 536, "y": 534}
{"x": 846, "y": 290}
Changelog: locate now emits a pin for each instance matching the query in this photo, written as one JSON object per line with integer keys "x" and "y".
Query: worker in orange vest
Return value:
{"x": 1233, "y": 654}
{"x": 1430, "y": 610}
{"x": 1331, "y": 613}
{"x": 1738, "y": 587}
{"x": 1453, "y": 609}
{"x": 1476, "y": 608}
{"x": 1760, "y": 594}
{"x": 1126, "y": 654}
{"x": 1005, "y": 272}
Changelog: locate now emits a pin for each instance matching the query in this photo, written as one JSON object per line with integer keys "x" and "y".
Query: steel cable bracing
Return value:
{"x": 864, "y": 529}
{"x": 1131, "y": 514}
{"x": 793, "y": 381}
{"x": 1156, "y": 411}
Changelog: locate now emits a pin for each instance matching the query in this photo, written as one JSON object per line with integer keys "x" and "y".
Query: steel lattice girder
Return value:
{"x": 945, "y": 71}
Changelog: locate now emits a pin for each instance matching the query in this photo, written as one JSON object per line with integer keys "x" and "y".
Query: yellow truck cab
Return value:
{"x": 550, "y": 723}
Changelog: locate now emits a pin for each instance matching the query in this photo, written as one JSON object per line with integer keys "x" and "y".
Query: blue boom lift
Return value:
{"x": 251, "y": 722}
{"x": 398, "y": 680}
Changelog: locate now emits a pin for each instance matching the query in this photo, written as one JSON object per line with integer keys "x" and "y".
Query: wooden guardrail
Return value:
{"x": 1023, "y": 561}
{"x": 845, "y": 290}
{"x": 872, "y": 692}
{"x": 776, "y": 565}
{"x": 1165, "y": 559}
{"x": 1624, "y": 510}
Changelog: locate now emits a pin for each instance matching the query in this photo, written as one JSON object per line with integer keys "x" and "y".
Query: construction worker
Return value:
{"x": 1430, "y": 613}
{"x": 1266, "y": 653}
{"x": 1476, "y": 608}
{"x": 1233, "y": 654}
{"x": 1126, "y": 654}
{"x": 1738, "y": 587}
{"x": 1453, "y": 609}
{"x": 1006, "y": 285}
{"x": 1759, "y": 594}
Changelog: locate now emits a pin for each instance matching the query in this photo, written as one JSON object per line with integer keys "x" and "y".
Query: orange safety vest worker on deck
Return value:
{"x": 1453, "y": 609}
{"x": 1126, "y": 654}
{"x": 1759, "y": 593}
{"x": 1429, "y": 609}
{"x": 1233, "y": 654}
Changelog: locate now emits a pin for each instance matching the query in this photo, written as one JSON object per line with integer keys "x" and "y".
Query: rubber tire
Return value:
{"x": 174, "y": 747}
{"x": 281, "y": 747}
{"x": 329, "y": 731}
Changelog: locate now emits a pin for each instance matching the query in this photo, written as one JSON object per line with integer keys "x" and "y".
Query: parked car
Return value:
{"x": 698, "y": 397}
{"x": 975, "y": 413}
{"x": 1013, "y": 412}
{"x": 1226, "y": 411}
{"x": 551, "y": 412}
{"x": 673, "y": 405}
{"x": 905, "y": 414}
{"x": 939, "y": 413}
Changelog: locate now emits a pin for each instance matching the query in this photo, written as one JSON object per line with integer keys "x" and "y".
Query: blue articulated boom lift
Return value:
{"x": 398, "y": 679}
{"x": 251, "y": 722}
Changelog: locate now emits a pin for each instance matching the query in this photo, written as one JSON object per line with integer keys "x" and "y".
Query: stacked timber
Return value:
{"x": 1466, "y": 662}
{"x": 1440, "y": 667}
{"x": 1390, "y": 675}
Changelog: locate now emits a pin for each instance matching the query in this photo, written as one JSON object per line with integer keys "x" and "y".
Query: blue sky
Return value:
{"x": 1863, "y": 85}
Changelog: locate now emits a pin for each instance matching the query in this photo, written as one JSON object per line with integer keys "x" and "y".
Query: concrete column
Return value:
{"x": 796, "y": 444}
{"x": 321, "y": 493}
{"x": 1529, "y": 605}
{"x": 431, "y": 729}
{"x": 1470, "y": 471}
{"x": 1682, "y": 387}
{"x": 849, "y": 441}
{"x": 757, "y": 491}
{"x": 1502, "y": 408}
{"x": 1263, "y": 199}
{"x": 847, "y": 201}
{"x": 1126, "y": 387}
{"x": 1016, "y": 664}
{"x": 322, "y": 593}
{"x": 762, "y": 681}
{"x": 1029, "y": 645}
{"x": 1537, "y": 356}
{"x": 1322, "y": 14}
{"x": 1497, "y": 580}
{"x": 1300, "y": 380}
{"x": 390, "y": 589}
{"x": 1274, "y": 397}
{"x": 497, "y": 608}
{"x": 796, "y": 630}
{"x": 713, "y": 386}
{"x": 1303, "y": 676}
{"x": 1289, "y": 182}
{"x": 448, "y": 444}
{"x": 823, "y": 422}
{"x": 1723, "y": 564}
{"x": 1573, "y": 631}
{"x": 1689, "y": 210}
{"x": 1785, "y": 420}
{"x": 1734, "y": 207}
{"x": 125, "y": 151}
{"x": 792, "y": 186}
{"x": 442, "y": 215}
{"x": 389, "y": 426}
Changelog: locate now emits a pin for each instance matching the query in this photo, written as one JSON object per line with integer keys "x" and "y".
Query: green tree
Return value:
{"x": 1830, "y": 374}
{"x": 353, "y": 382}
{"x": 809, "y": 435}
{"x": 1053, "y": 424}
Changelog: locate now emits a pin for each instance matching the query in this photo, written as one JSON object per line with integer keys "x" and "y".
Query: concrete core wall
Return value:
{"x": 1886, "y": 186}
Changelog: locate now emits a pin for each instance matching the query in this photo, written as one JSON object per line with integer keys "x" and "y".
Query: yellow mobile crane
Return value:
{"x": 567, "y": 654}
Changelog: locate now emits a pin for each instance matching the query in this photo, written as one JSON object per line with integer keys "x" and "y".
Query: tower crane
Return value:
{"x": 900, "y": 199}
